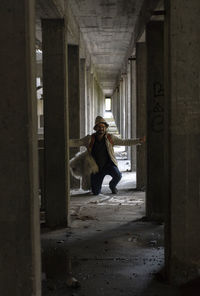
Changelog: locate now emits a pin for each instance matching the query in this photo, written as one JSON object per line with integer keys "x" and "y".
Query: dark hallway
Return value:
{"x": 112, "y": 85}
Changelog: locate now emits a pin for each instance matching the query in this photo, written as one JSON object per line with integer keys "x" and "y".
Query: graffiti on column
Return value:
{"x": 158, "y": 90}
{"x": 157, "y": 120}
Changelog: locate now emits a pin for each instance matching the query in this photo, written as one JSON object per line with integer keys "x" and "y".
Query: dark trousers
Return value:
{"x": 97, "y": 179}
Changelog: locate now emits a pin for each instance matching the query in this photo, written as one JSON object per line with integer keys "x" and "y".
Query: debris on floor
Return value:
{"x": 72, "y": 282}
{"x": 86, "y": 217}
{"x": 108, "y": 250}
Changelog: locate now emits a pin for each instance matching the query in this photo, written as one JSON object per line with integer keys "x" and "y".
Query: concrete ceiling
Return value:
{"x": 107, "y": 27}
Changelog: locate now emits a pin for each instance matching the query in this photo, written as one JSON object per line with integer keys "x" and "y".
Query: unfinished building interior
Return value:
{"x": 136, "y": 63}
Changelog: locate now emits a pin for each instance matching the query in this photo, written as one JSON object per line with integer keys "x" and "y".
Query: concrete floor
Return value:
{"x": 108, "y": 248}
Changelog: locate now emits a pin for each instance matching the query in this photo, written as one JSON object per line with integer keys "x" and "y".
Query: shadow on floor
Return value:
{"x": 108, "y": 250}
{"x": 123, "y": 260}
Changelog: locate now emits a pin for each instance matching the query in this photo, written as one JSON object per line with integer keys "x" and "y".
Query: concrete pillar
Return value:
{"x": 128, "y": 109}
{"x": 155, "y": 120}
{"x": 101, "y": 99}
{"x": 118, "y": 109}
{"x": 92, "y": 99}
{"x": 126, "y": 106}
{"x": 55, "y": 121}
{"x": 96, "y": 99}
{"x": 183, "y": 137}
{"x": 74, "y": 102}
{"x": 129, "y": 100}
{"x": 133, "y": 112}
{"x": 83, "y": 99}
{"x": 20, "y": 270}
{"x": 114, "y": 105}
{"x": 89, "y": 121}
{"x": 141, "y": 68}
{"x": 122, "y": 107}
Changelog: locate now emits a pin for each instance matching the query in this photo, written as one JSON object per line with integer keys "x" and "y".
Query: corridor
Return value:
{"x": 136, "y": 64}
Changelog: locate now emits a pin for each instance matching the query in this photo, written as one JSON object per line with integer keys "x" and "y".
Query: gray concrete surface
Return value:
{"x": 109, "y": 30}
{"x": 108, "y": 248}
{"x": 74, "y": 103}
{"x": 56, "y": 121}
{"x": 141, "y": 112}
{"x": 155, "y": 119}
{"x": 183, "y": 158}
{"x": 19, "y": 211}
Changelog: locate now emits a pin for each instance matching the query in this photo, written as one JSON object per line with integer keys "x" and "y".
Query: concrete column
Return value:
{"x": 89, "y": 121}
{"x": 155, "y": 120}
{"x": 121, "y": 106}
{"x": 101, "y": 102}
{"x": 126, "y": 106}
{"x": 20, "y": 270}
{"x": 133, "y": 112}
{"x": 129, "y": 100}
{"x": 96, "y": 99}
{"x": 141, "y": 68}
{"x": 55, "y": 121}
{"x": 83, "y": 99}
{"x": 183, "y": 137}
{"x": 92, "y": 99}
{"x": 74, "y": 102}
{"x": 118, "y": 109}
{"x": 114, "y": 103}
{"x": 127, "y": 114}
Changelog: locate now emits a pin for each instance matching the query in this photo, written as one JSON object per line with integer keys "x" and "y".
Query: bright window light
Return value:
{"x": 108, "y": 104}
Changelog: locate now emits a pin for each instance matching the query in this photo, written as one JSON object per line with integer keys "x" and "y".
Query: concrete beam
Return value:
{"x": 146, "y": 11}
{"x": 48, "y": 9}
